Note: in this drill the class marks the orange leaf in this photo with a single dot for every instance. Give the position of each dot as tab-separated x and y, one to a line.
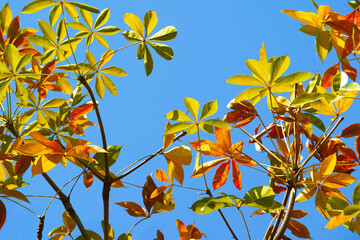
349	70
208	148
338	180
178	172
206	167
161	176
133	209
81	110
336	221
2	214
158	191
33	149
223	139
43	140
221	175
244	112
168	139
298	229
236	175
88	180
357	145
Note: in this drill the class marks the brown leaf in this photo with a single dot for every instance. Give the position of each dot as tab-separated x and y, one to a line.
148	189
88	180
298	214
22	164
2	214
133	209
244	112
298	229
159	235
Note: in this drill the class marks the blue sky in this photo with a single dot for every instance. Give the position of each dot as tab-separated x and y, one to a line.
214	40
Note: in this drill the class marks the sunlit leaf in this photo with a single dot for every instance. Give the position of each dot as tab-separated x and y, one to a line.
210	204
134	23
37	5
133	209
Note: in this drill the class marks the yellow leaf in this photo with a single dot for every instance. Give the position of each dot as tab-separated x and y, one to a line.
161	176
206	167
346	101
327	166
337	221
134	23
168	139
308	18
181	155
305	194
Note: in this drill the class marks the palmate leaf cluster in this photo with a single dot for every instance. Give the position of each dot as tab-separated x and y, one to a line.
42	129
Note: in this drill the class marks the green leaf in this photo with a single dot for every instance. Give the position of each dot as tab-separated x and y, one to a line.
356	194
294	78
132	36
109	30
102	18
315	81
164	35
47	30
262	197
245	80
109	84
24	60
125	236
177	127
150	21
12	56
218	123
306	98
99	87
322	43
61	31
163	50
113	155
193	106
178	115
209	109
54	103
248	93
40	41
352	210
281	64
210	204
4	87
78	26
21	92
48	56
148	61
134	23
115	71
316	122
37	5
340	81
54	14
92	236
5	18
85	7
100	39
140	52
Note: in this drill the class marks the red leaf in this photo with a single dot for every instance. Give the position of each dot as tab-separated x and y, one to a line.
349	70
236	175
48	68
351	131
298	229
329	74
221	175
244	112
2	214
81	110
22	164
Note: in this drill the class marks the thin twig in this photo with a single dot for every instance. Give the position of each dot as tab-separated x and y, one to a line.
146	160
